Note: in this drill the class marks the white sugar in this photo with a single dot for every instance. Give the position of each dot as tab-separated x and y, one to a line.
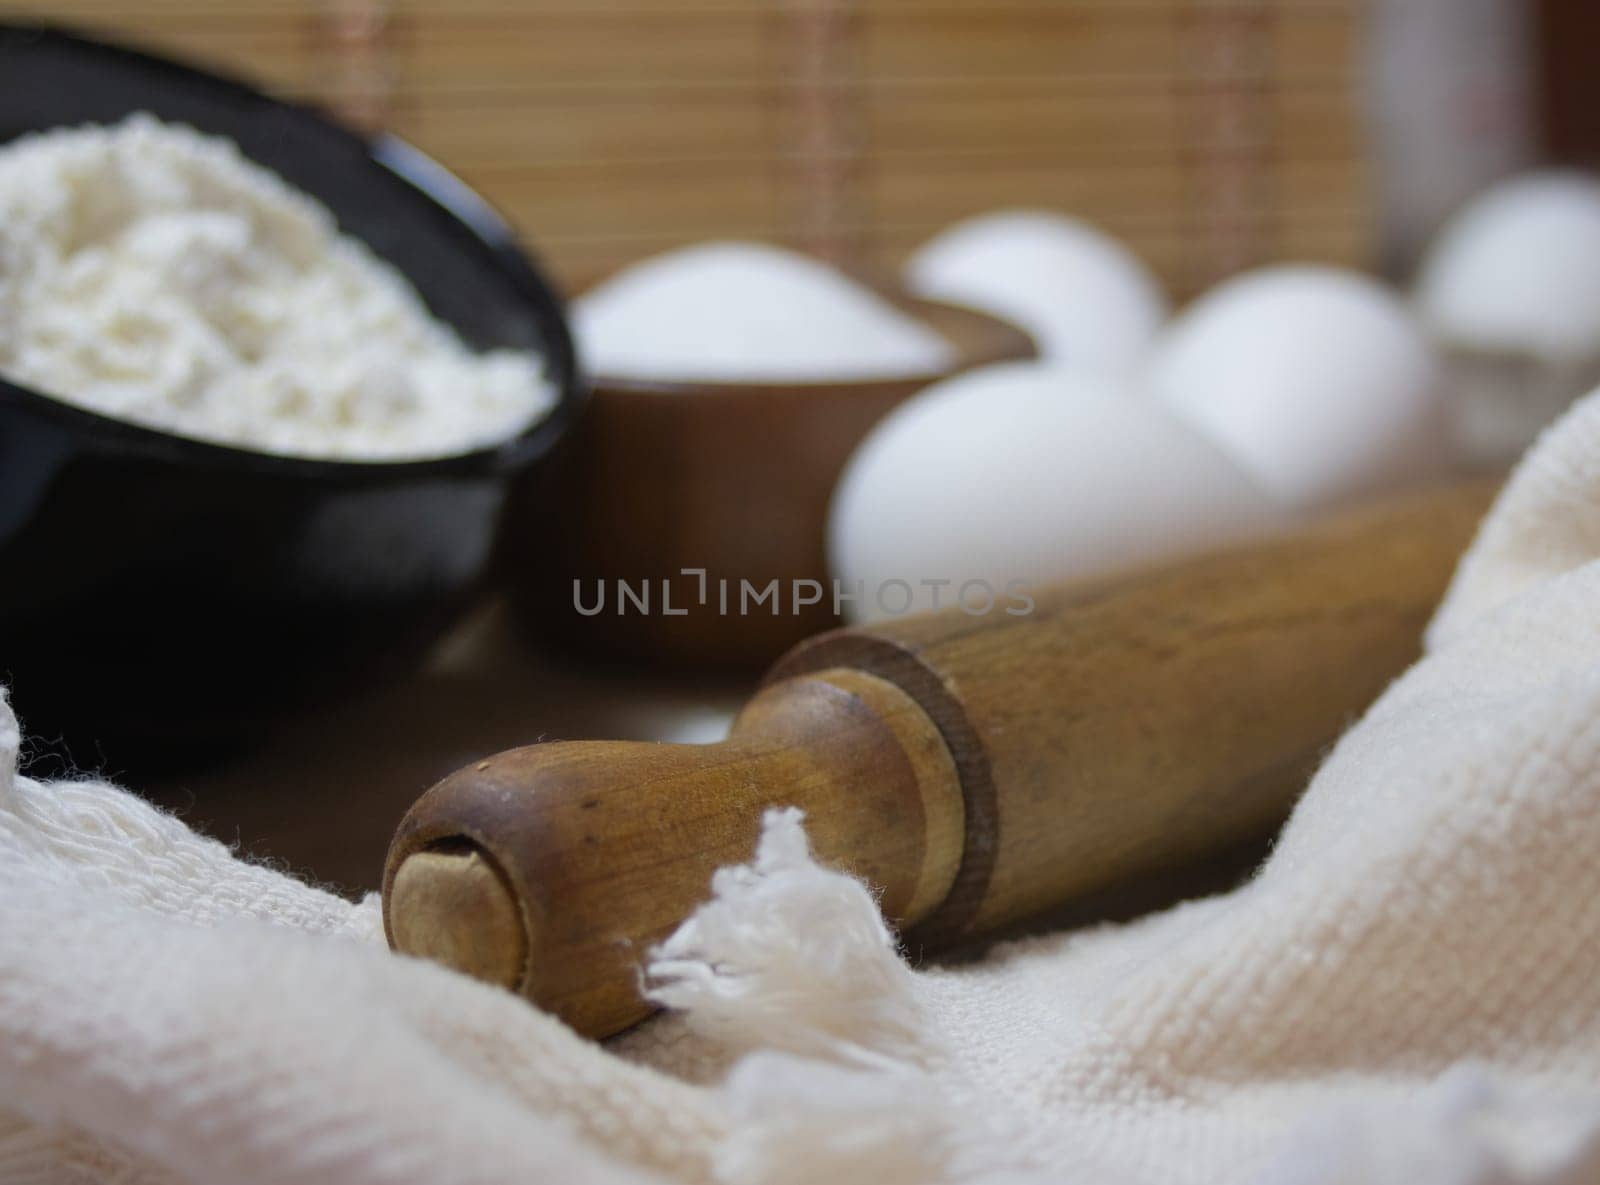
744	312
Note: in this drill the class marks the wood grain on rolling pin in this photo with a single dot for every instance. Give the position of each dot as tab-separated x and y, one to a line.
1133	723
976	770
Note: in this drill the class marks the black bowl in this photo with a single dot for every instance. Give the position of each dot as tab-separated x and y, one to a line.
161	597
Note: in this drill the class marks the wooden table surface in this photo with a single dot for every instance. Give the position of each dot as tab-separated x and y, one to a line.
323	796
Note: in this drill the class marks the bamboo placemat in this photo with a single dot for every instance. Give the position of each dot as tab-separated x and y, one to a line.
1211	134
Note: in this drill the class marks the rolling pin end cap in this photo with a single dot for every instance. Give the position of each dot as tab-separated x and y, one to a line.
452	905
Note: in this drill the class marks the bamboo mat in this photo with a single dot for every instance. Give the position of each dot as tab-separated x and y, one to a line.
1211	134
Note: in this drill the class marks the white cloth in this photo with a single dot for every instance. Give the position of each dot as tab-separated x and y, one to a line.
1407	992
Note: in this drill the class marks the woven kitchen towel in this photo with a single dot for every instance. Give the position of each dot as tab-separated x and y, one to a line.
1407	992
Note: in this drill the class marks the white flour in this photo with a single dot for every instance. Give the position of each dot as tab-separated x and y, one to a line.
744	312
153	274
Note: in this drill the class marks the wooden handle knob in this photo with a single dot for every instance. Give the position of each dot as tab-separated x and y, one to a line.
976	770
551	870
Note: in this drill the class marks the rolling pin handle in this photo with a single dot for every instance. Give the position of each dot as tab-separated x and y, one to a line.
551	870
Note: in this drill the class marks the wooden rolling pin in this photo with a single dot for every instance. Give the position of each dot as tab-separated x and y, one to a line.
977	770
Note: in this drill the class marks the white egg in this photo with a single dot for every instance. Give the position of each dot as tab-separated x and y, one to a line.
1518	269
1316	380
747	312
1031	473
1081	295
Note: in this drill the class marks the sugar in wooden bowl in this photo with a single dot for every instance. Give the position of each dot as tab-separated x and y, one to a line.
704	493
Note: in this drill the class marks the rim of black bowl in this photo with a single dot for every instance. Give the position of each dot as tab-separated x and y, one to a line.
460	211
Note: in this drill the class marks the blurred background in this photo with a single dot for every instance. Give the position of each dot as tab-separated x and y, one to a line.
1208	135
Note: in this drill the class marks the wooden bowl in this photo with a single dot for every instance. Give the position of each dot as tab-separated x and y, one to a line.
730	478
